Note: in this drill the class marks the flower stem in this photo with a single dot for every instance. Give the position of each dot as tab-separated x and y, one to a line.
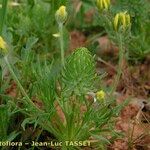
29	101
3	13
61	43
119	70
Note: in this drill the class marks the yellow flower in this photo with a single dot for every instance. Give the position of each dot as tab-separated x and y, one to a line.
61	14
3	45
103	4
122	19
100	95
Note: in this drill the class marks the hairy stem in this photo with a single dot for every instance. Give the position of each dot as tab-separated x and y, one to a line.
119	70
61	43
29	101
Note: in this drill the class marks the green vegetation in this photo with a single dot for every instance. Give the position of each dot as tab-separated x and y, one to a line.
58	93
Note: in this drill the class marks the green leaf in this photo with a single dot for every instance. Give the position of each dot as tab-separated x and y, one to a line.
1	79
30	42
12	136
31	2
45	86
101	139
78	75
27	121
4	119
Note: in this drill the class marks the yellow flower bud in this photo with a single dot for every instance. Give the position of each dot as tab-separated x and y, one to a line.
108	2
128	19
122	19
100	95
103	4
3	45
61	15
116	19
